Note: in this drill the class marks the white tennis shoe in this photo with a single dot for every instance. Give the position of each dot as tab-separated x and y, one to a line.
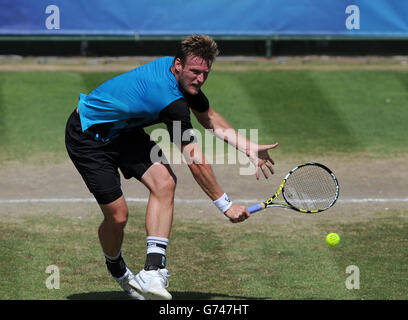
152	284
126	282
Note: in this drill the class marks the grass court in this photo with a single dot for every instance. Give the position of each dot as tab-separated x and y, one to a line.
350	116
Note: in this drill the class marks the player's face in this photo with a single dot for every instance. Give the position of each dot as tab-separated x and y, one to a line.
193	74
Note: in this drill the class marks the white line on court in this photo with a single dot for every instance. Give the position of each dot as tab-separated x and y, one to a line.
185	201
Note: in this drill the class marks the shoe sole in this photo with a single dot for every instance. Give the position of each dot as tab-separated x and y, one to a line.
159	295
150	295
136	295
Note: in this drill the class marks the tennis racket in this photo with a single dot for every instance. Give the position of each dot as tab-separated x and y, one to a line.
308	188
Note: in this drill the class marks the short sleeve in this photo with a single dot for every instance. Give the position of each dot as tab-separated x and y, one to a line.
176	116
198	102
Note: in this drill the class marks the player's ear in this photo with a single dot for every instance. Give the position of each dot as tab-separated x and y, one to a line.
178	65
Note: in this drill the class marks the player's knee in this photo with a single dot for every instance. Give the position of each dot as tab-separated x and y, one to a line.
118	219
121	221
166	186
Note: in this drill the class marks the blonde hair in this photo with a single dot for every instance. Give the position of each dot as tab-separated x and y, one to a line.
198	45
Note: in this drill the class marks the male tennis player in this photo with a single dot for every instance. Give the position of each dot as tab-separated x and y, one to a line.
105	133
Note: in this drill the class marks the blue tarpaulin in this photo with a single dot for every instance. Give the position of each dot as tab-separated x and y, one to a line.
372	18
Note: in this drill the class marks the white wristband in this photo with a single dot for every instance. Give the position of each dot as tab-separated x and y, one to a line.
223	203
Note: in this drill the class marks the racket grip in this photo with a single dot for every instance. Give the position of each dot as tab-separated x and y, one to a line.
254	208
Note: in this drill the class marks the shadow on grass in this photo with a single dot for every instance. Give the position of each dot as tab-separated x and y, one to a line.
184	295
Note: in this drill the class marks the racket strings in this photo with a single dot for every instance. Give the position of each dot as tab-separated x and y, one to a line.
310	188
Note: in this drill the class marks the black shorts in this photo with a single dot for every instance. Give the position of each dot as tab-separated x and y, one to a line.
98	162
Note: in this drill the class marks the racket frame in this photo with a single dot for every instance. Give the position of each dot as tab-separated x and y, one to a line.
270	202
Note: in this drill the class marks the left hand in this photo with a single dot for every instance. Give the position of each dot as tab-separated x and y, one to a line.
261	159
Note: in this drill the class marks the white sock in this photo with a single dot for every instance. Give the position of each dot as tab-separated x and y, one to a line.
157	245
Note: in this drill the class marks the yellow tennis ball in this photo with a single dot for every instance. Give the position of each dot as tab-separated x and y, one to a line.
332	239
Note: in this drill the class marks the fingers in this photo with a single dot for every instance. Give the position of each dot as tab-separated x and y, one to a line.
265	166
266	147
265	173
238	214
238	220
264	161
269	165
264	170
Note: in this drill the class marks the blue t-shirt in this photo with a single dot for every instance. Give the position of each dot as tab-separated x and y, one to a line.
132	99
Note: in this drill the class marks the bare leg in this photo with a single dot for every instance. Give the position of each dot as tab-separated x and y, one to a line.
111	229
161	182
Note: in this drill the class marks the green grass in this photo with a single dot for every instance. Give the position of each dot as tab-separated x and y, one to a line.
34	108
308	112
253	261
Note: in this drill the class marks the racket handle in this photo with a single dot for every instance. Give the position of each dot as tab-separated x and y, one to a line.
256	207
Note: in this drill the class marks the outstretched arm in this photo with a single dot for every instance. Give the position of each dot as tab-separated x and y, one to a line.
204	175
258	154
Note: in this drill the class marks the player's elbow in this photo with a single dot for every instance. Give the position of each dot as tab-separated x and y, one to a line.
192	154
